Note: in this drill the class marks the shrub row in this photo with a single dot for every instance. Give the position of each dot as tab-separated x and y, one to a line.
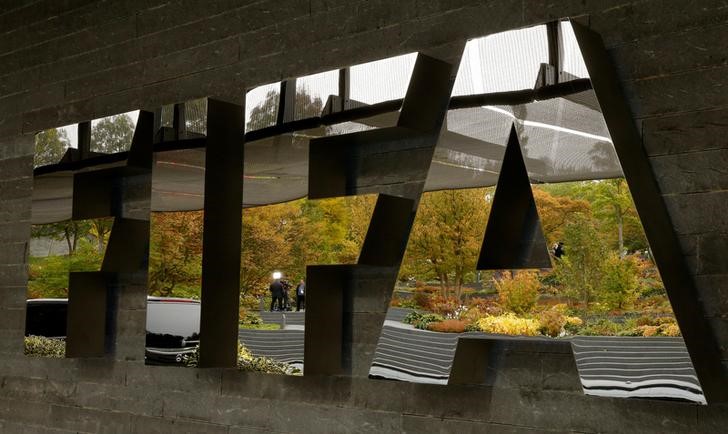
250	363
39	346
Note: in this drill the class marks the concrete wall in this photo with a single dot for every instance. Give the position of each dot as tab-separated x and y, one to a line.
67	61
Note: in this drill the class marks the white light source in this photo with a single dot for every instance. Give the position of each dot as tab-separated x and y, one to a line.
277	275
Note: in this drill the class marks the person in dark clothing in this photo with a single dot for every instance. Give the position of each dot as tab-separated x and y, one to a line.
276	294
559	250
301	295
286	286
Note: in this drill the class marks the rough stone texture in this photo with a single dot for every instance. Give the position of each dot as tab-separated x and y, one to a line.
686	133
714	293
693	172
515	363
15	192
63	62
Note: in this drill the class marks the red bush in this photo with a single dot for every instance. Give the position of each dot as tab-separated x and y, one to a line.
445	306
488	306
423	299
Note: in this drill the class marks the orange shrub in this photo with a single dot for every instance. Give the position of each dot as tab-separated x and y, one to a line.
552	321
670	330
649	330
645	320
448	326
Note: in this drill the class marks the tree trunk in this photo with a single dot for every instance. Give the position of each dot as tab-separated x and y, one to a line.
620	230
100	232
75	236
461	282
67	233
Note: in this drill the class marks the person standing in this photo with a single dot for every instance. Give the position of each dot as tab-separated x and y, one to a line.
286	286
301	296
276	294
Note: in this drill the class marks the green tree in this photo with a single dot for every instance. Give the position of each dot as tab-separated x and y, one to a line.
101	229
48	276
175	257
320	234
69	230
267	246
112	134
619	283
555	211
446	237
109	135
613	204
580	270
50	146
360	209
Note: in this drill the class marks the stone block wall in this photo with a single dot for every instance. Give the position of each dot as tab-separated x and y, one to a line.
16	187
67	61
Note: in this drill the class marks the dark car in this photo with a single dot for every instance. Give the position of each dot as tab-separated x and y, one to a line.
173	325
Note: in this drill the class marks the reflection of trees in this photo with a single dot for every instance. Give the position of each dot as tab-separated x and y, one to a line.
112	134
166	340
307	106
50	145
265	113
521	114
196	116
538	165
603	157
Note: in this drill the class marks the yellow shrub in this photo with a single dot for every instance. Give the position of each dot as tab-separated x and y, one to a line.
518	294
244	353
471	315
554	322
508	324
574	320
665	320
